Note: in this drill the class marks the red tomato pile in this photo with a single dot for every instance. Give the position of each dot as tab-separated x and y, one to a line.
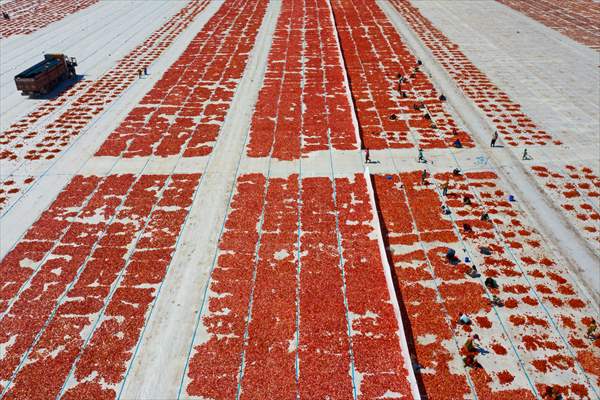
10	187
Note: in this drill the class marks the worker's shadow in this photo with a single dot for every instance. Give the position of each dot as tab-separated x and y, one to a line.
59	89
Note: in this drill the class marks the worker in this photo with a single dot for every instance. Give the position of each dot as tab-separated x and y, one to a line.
551	393
467	228
393	117
445	210
496	301
463	319
5	15
145	70
445	186
442	97
456	172
367	156
423	177
419	62
457	144
591	330
485	216
470	361
427	116
526	155
473	273
421	156
467	199
494	138
400	80
451	257
471	344
451	254
491	283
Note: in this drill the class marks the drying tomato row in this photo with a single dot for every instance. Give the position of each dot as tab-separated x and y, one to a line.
576	189
214	365
186	108
375	57
304	91
376	347
27	17
269	368
110	243
24	129
573	18
506	115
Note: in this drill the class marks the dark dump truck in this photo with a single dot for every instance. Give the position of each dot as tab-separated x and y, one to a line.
45	75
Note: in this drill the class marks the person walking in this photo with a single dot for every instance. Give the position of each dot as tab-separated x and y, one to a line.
494	138
423	177
367	156
400	80
471	345
591	330
421	156
445	186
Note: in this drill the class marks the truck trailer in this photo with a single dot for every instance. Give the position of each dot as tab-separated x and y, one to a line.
45	75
